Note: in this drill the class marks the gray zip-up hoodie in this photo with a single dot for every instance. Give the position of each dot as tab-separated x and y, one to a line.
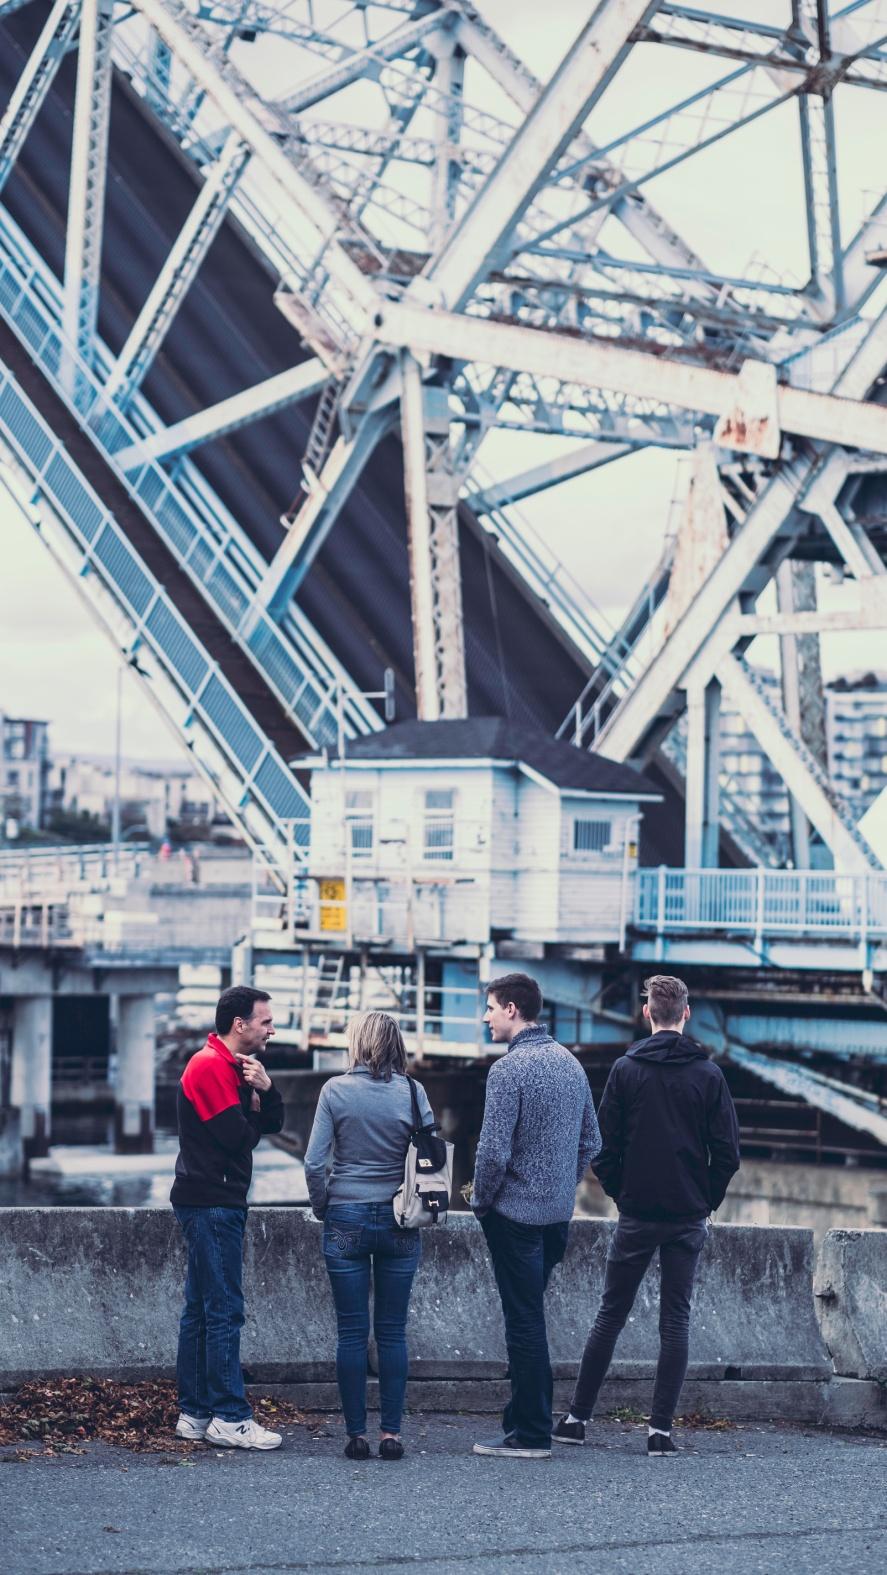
539	1132
363	1125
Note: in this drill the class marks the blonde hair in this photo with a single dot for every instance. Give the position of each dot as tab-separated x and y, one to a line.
376	1042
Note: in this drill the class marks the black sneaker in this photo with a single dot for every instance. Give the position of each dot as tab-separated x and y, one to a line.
569	1432
510	1446
660	1446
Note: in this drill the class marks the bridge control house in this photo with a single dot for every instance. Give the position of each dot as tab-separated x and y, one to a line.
473	832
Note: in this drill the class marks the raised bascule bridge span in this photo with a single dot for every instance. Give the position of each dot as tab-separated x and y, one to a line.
270	276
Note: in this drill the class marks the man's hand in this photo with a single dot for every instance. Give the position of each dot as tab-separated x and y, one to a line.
254	1073
255	1103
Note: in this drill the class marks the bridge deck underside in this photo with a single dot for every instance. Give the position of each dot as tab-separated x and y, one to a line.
229	335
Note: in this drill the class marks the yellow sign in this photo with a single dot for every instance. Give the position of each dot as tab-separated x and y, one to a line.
333	909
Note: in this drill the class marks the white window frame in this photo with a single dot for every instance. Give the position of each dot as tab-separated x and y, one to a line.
591	851
360	819
440	820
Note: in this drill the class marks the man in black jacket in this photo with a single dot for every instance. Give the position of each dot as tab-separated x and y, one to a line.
670	1147
225	1102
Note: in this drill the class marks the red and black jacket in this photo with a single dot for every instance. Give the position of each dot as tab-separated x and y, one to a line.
218	1131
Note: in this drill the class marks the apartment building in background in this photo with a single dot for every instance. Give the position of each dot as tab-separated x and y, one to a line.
24	773
155	796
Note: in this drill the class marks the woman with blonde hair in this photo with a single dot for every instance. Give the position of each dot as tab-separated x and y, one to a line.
362	1126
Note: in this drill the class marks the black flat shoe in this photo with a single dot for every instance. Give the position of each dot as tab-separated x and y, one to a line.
391	1449
357	1449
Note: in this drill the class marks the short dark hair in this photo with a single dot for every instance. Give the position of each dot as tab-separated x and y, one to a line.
238	1001
667	999
522	990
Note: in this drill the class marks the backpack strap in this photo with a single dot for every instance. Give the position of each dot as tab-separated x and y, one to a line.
414	1098
418	1124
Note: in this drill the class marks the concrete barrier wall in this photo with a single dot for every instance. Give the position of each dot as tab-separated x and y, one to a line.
851	1288
99	1291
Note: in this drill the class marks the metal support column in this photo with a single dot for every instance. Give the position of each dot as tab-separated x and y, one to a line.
703	775
432	495
32	1070
819	152
802	695
35	81
86	188
449	74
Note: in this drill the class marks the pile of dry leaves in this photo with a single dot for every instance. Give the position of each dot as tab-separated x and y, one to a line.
64	1412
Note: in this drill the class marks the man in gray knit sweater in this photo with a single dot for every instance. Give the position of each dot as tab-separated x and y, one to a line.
539	1135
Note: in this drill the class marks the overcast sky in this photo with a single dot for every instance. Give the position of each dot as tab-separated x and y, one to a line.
742	208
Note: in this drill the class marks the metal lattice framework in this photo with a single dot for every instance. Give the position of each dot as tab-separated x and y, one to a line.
461	253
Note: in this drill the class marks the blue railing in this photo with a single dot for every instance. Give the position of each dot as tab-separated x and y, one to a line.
809	903
264	775
202	536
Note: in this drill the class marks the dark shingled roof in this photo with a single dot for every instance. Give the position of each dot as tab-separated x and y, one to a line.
494	738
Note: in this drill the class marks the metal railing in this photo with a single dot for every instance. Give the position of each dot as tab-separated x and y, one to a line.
809	903
198	530
27	873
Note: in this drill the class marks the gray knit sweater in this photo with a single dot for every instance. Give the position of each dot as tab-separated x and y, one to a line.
539	1132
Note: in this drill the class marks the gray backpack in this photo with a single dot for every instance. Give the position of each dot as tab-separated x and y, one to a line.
424	1197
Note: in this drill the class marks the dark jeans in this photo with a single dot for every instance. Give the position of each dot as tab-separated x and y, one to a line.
208	1366
356	1235
631	1249
523	1258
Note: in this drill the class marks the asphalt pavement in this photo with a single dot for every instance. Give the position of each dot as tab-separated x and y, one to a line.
739	1501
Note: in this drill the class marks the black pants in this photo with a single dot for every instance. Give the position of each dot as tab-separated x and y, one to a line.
523	1258
631	1249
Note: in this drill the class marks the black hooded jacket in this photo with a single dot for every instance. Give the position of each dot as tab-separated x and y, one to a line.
669	1129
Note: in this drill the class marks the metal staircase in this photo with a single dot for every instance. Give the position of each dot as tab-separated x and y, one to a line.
324	1012
320	438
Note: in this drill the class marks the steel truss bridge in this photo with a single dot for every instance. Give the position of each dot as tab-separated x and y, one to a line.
271	272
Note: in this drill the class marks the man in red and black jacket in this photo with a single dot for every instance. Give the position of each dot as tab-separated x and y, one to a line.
225	1102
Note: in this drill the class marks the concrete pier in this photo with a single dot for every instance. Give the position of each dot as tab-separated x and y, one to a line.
134	1092
32	1071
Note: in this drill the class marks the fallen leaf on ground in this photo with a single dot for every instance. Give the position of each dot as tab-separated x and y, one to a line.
62	1412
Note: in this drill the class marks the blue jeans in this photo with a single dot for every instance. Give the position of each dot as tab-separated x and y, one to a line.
523	1258
631	1249
208	1368
354	1235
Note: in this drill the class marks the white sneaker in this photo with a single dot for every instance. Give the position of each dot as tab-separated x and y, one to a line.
241	1435
191	1426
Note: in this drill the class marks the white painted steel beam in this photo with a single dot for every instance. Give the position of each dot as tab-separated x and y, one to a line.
604	364
361	62
540	477
586	70
782	748
317	515
861	280
859	554
431	489
449	81
35	81
86	188
244	111
871	613
624	730
229	415
702	776
635	212
819	150
177	274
